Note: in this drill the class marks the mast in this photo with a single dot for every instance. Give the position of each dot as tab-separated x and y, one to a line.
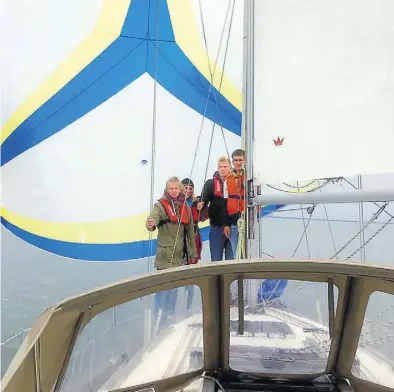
248	117
248	132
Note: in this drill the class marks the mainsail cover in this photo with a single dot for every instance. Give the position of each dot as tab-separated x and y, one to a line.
324	89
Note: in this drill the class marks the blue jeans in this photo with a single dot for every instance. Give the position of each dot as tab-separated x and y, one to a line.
218	243
234	239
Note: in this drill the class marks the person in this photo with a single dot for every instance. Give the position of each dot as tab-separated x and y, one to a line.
271	289
236	185
199	215
172	217
215	195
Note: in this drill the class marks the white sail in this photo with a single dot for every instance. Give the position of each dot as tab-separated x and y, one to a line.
323	85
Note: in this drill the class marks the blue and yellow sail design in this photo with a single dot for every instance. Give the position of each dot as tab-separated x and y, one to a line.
71	153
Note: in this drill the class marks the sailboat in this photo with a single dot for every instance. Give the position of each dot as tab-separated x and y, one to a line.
76	345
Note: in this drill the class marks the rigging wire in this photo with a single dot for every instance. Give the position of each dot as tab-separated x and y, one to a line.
211	87
302	286
221	76
305	230
224	61
361	219
202	122
329	224
153	152
374	202
302	236
373	218
365	243
304	233
269	255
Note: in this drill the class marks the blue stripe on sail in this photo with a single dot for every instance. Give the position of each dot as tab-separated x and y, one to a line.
94	252
91	252
177	74
147	19
118	66
124	61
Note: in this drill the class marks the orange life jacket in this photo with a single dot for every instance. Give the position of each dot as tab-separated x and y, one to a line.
172	216
236	192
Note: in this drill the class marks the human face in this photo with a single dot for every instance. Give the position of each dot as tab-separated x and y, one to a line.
188	191
223	169
173	189
238	162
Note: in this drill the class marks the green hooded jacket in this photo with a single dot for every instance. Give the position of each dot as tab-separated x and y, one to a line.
167	255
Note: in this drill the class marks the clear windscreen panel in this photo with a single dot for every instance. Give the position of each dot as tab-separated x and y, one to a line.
149	338
285	326
374	361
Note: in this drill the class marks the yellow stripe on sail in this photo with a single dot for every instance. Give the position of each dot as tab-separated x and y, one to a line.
107	30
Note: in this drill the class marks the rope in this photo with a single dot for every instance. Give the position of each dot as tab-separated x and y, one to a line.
214	380
241	248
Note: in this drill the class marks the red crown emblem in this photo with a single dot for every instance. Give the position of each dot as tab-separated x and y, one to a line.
278	141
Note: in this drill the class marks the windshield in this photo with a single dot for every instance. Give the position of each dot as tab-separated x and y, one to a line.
286	332
149	338
282	329
374	360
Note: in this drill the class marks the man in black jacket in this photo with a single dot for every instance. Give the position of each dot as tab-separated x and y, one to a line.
215	195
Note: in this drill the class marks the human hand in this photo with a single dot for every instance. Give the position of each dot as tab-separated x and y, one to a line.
226	231
151	224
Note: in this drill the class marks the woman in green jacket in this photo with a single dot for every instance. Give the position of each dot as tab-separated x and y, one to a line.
172	217
175	241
